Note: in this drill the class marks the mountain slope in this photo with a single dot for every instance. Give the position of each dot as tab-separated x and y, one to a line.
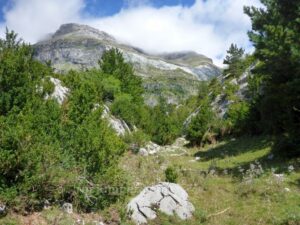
174	76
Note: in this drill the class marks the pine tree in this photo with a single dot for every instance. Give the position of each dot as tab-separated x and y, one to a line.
232	59
275	35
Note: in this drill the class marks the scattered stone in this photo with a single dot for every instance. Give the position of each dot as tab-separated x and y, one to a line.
47	204
79	222
197	158
150	149
241	170
100	223
225	172
68	208
178	147
291	168
279	177
287	189
2	209
168	198
143	152
212	172
181	142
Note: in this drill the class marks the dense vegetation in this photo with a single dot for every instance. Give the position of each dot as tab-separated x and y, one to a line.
275	34
50	152
68	153
271	105
56	153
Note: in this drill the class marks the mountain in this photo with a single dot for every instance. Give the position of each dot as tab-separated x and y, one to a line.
174	76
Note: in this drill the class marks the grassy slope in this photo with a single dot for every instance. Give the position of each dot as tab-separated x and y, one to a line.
262	200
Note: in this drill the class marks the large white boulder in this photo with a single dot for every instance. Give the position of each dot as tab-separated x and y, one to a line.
168	198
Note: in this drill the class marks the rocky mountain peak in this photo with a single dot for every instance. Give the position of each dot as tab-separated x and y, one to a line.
78	30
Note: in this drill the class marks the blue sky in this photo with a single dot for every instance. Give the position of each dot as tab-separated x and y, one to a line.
110	7
206	27
102	8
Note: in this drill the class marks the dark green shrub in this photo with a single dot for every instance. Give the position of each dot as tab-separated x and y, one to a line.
237	115
201	124
50	152
171	175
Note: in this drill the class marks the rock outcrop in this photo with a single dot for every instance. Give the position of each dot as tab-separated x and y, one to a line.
120	126
152	149
60	92
168	198
221	104
2	209
174	76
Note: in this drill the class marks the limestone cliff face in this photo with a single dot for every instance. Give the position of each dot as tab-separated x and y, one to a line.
174	76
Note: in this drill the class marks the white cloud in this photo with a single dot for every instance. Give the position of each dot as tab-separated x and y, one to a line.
33	19
207	27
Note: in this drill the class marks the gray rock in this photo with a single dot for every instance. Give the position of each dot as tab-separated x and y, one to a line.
279	178
67	207
2	209
60	92
166	197
150	149
118	125
143	152
291	169
47	204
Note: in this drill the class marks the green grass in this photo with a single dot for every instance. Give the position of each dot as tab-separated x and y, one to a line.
261	200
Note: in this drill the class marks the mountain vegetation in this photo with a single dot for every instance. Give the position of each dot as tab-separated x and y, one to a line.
237	138
68	152
271	104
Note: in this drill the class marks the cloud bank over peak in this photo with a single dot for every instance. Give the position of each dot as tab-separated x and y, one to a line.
207	27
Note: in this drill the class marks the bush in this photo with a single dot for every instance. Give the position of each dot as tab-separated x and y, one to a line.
125	108
111	88
201	124
50	152
171	175
237	115
136	140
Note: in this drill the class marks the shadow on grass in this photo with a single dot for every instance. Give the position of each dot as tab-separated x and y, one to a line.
275	165
234	148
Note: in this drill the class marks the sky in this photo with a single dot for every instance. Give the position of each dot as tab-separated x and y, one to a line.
204	26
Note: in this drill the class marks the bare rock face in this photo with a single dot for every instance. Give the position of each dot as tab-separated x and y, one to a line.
2	209
168	198
60	92
118	125
221	105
